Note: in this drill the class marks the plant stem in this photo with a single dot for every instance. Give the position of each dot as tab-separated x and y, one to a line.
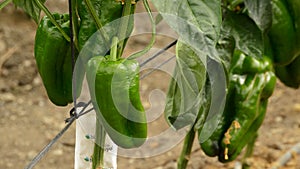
249	151
75	22
93	13
124	26
186	150
114	49
152	41
52	19
96	19
4	3
97	160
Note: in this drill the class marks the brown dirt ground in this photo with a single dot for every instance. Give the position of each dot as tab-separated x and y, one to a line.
29	121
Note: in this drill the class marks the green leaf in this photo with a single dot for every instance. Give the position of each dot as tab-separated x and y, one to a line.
204	107
248	37
184	95
225	48
218	86
30	7
261	12
197	22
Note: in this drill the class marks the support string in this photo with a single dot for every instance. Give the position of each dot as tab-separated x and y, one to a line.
156	67
45	150
158	53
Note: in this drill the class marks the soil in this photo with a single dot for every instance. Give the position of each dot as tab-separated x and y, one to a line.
29	120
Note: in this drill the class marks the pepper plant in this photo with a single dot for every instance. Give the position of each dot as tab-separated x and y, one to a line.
228	52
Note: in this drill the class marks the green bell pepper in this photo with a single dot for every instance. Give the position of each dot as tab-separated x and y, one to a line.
282	34
251	82
233	150
53	57
294	8
289	75
114	88
251	96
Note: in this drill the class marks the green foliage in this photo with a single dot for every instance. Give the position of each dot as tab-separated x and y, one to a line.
197	22
261	13
247	36
185	90
30	7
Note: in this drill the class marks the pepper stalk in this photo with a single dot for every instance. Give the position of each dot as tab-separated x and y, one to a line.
186	150
124	25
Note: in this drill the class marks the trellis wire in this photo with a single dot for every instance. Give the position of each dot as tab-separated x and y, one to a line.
45	150
73	115
159	53
156	67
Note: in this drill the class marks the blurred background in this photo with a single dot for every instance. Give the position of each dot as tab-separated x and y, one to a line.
28	120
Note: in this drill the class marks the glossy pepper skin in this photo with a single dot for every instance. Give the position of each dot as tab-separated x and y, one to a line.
282	34
251	96
294	8
114	88
236	149
289	75
251	83
53	57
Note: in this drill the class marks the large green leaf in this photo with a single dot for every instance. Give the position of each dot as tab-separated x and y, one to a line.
248	37
183	98
225	48
204	106
217	80
30	7
261	12
197	22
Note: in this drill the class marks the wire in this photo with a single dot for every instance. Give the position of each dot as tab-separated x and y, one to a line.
158	53
46	149
156	67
